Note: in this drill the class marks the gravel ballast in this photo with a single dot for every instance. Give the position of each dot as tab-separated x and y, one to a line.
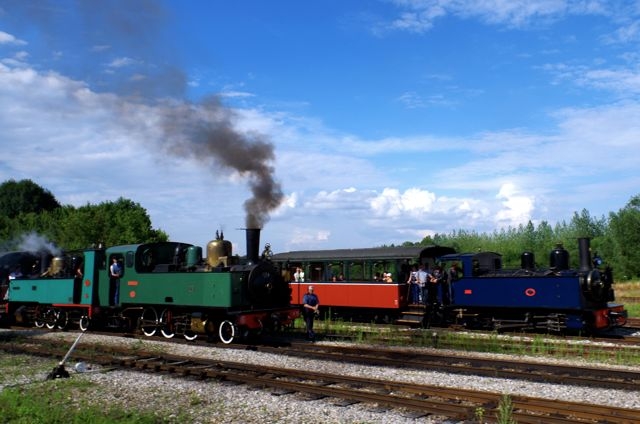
185	400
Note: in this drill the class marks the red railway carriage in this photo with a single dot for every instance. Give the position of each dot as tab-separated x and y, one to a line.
365	284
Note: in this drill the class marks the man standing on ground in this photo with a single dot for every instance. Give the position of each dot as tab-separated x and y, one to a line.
311	303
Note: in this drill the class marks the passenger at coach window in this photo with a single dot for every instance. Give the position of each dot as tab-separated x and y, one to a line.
310	306
298	276
387	278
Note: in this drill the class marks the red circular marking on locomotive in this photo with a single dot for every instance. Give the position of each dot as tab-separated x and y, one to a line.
87	283
132	294
530	292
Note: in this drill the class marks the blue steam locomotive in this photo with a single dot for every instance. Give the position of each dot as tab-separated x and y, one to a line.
479	293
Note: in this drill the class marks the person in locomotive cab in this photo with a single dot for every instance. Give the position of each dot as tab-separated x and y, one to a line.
299	275
115	272
447	281
310	306
17	273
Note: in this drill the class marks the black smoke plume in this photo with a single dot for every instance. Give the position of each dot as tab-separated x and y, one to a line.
205	132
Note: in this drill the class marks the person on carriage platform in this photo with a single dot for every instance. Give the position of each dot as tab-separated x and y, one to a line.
423	276
414	287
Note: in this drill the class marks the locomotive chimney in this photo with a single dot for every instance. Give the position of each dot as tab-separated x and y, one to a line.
253	244
584	250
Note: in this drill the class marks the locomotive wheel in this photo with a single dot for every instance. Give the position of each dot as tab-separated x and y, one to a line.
38	320
149	322
190	335
63	320
167	328
226	331
84	323
50	318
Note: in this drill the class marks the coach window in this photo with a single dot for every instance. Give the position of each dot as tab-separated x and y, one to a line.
356	271
336	271
316	271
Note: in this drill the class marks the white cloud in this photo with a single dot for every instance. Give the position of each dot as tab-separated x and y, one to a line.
9	39
122	62
420	16
516	208
393	204
236	94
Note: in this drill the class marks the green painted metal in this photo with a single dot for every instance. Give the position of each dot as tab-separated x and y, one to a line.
220	290
47	291
145	284
90	280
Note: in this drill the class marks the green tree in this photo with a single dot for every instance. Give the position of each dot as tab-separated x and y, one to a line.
25	196
25	208
624	238
109	223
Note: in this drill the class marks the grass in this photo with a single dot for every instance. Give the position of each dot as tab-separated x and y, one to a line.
629	290
37	403
31	399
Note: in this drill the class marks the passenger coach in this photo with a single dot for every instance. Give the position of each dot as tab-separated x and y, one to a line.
350	282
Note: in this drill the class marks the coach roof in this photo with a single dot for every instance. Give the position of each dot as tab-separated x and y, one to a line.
388	253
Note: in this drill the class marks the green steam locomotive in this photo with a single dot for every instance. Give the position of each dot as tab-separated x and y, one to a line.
166	288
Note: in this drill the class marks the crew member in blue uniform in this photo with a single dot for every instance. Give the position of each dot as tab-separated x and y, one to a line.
311	303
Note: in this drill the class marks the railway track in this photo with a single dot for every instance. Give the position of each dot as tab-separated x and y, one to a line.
633	322
416	399
464	365
624	343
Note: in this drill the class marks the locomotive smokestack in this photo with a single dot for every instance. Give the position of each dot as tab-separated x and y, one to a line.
253	244
584	250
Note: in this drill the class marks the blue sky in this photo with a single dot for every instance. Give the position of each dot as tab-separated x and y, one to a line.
348	124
